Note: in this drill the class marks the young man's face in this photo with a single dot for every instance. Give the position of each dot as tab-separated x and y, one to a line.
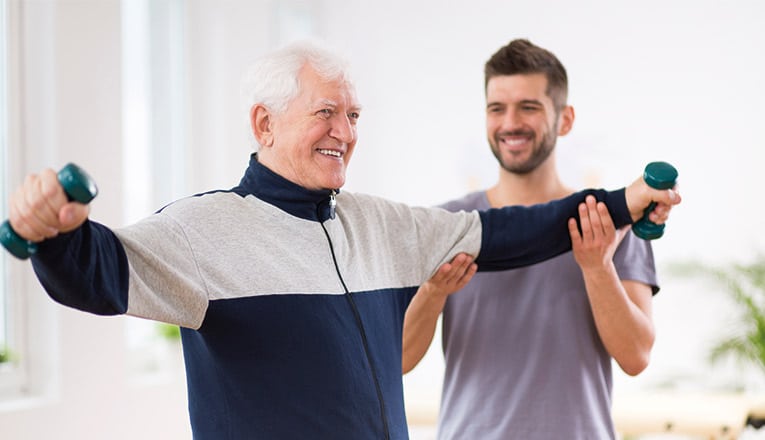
314	138
522	125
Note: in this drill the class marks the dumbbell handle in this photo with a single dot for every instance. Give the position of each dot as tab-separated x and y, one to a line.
78	186
658	175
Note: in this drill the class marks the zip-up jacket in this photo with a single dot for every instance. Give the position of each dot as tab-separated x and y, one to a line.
291	301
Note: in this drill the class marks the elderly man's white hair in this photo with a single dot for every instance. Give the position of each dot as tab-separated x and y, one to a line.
272	80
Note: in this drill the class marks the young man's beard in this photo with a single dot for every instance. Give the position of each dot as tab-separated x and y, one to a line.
539	154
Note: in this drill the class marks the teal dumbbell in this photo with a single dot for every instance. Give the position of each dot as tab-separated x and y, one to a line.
78	186
659	175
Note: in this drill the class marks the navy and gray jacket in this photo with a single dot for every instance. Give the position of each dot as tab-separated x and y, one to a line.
292	319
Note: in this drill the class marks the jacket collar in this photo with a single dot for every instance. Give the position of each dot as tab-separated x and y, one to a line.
274	189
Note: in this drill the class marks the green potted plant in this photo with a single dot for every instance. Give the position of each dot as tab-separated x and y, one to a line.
168	355
6	357
169	332
745	285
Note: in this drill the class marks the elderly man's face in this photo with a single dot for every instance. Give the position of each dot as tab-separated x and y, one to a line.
314	138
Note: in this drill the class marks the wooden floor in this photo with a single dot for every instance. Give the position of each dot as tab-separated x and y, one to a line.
654	416
698	415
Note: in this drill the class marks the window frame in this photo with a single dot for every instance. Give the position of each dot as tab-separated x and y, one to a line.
14	374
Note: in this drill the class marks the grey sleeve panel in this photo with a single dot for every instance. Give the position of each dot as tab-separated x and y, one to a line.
165	283
407	243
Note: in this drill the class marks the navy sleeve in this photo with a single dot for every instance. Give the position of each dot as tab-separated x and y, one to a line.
86	269
516	236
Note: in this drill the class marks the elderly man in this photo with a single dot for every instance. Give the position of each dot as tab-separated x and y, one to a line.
291	295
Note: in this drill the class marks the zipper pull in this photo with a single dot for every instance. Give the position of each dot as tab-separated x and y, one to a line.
332	204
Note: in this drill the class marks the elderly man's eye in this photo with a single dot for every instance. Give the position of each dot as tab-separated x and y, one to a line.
354	116
325	112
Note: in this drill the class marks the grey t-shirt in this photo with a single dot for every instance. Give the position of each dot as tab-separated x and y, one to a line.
523	356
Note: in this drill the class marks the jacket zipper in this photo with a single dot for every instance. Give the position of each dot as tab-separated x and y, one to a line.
332	206
359	322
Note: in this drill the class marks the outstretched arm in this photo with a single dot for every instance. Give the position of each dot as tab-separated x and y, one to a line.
516	236
621	309
422	313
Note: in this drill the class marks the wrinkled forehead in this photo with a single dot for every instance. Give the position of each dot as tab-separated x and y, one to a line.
337	90
352	99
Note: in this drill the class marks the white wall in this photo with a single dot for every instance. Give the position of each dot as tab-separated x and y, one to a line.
678	81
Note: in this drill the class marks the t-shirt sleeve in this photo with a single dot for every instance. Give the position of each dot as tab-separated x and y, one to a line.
634	261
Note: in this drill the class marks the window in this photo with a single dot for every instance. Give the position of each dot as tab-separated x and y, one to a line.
11	361
154	122
3	142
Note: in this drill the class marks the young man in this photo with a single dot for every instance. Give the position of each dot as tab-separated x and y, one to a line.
528	351
291	295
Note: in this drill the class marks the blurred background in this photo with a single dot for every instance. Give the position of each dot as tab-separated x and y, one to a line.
144	95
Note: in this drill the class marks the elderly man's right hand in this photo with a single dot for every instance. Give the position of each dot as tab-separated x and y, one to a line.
40	209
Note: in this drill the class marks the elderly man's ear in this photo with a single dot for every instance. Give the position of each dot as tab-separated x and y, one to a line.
260	121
